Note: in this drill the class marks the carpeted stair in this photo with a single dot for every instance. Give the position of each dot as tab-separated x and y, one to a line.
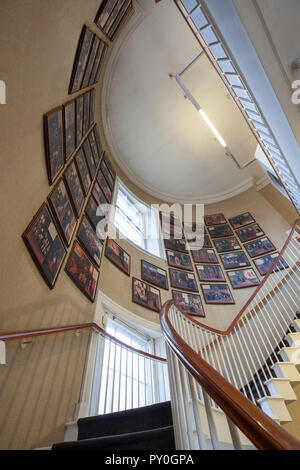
146	428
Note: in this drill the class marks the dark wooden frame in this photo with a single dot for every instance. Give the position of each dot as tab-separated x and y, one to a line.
205	262
216	240
77	213
65	105
176	249
233	253
187	273
85	191
89	218
196	295
217	303
31	252
113	30
245	225
53	178
210	280
142	305
275	268
76	60
191	269
149	282
242	287
83	244
77	123
129	256
211	215
261	254
220	226
251	239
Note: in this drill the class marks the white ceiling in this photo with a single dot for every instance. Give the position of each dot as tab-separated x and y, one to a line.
156	135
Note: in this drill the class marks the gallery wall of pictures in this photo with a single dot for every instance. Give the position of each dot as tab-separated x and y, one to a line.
112	15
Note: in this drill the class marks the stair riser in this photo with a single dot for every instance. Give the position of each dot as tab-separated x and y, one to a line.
281	389
276	409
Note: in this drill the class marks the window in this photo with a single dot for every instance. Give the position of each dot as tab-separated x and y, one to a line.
137	222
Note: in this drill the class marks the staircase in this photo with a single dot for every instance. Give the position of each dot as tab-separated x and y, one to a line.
145	428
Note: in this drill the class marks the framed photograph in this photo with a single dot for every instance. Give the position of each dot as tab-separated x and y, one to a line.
241	220
94	148
189	303
89	157
234	260
69	129
227	244
183	280
89	240
249	233
82	271
107	174
171	226
264	263
217	294
215	219
54	143
175	244
74	188
243	278
179	260
91	61
92	106
97	138
81	59
220	231
117	256
210	273
79	119
259	247
109	166
110	16
62	209
154	275
104	186
86	113
94	77
194	232
204	256
91	212
116	25
45	246
146	295
83	171
98	194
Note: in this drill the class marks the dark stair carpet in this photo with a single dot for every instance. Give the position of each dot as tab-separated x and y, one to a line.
145	428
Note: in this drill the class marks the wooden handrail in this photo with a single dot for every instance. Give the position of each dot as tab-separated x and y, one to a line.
261	430
61	329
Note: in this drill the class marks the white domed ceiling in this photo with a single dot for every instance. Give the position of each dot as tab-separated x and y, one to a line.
157	136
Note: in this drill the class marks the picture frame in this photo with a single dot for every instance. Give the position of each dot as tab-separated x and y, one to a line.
91	212
107	174
127	6
194	231
259	247
69	114
146	295
118	256
243	278
110	16
215	219
92	106
175	244
95	130
189	303
251	232
86	113
98	194
179	260
217	294
171	225
223	245
104	186
82	271
45	246
96	70
83	171
109	166
235	260
91	60
94	148
54	143
89	240
89	157
154	275
79	119
62	210
81	58
74	188
183	280
220	231
210	273
204	256
242	220
264	263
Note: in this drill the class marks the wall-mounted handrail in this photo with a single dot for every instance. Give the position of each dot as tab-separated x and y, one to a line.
261	430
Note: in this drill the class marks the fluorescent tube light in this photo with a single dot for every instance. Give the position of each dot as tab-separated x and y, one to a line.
212	127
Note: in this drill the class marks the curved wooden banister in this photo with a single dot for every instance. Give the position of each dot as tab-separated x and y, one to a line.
257	290
261	430
61	329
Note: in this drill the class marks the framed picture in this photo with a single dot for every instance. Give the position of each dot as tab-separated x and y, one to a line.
171	230
210	273
241	220
145	295
264	263
111	14
259	247
179	260
109	166
215	219
83	171
104	186
54	143
249	233
86	113
126	7
227	244
89	157
69	129
82	271
98	194
97	138
217	294
107	174
234	260
90	62
81	59
94	148
175	244
204	256
79	119
61	207
194	232
154	275
91	212
220	231
189	303
97	67
117	256
183	280
74	188
89	240
243	278
45	246
92	106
